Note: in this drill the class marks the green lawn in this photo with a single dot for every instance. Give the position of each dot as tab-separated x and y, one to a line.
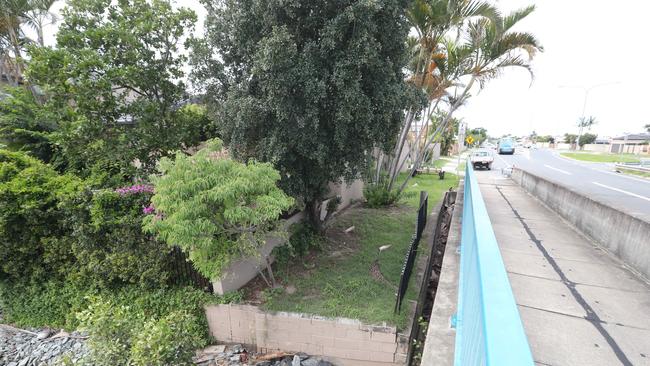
603	157
635	172
340	281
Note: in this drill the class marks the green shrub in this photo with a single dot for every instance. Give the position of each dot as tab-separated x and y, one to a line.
378	195
110	328
170	340
303	239
161	327
110	247
51	303
214	208
34	237
55	303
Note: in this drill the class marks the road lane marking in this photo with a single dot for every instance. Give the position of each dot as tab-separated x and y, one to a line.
559	170
585	165
622	191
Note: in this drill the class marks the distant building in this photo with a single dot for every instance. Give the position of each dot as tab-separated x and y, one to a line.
632	144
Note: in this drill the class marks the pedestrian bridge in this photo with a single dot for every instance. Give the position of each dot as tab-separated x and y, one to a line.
519	286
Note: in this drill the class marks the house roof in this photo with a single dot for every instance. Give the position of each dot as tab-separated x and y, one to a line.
635	137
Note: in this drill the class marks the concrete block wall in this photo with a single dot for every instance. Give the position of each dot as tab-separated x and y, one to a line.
624	235
345	342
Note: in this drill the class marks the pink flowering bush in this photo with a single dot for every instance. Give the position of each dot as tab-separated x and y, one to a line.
112	249
134	189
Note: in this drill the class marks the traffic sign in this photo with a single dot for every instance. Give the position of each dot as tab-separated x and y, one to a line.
469	140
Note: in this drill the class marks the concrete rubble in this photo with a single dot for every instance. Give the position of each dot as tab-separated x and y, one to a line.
38	347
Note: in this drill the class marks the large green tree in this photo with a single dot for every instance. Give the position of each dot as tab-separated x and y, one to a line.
114	81
311	86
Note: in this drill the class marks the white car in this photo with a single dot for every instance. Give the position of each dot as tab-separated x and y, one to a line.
482	159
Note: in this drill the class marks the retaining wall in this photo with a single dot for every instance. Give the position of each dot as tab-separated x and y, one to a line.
244	270
345	342
626	236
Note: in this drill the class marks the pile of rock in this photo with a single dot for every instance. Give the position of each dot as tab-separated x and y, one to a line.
237	355
38	347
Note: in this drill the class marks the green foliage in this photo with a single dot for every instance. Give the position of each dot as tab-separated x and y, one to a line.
378	195
304	238
110	247
34	241
171	340
570	138
55	303
214	208
587	138
52	303
114	83
131	327
478	134
546	138
447	137
310	86
25	125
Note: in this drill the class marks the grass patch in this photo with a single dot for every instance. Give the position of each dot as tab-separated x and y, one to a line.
634	172
603	158
342	279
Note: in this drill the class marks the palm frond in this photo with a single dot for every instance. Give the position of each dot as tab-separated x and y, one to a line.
513	18
516	40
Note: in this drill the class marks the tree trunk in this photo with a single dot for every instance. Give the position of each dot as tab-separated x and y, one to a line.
418	160
313	209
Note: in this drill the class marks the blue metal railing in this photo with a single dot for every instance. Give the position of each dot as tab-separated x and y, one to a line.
488	327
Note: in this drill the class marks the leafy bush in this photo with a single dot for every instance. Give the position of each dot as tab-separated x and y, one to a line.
304	238
55	303
110	328
214	208
378	195
25	125
52	303
34	239
587	138
110	247
153	328
170	340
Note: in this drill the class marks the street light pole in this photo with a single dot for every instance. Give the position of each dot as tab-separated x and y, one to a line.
586	90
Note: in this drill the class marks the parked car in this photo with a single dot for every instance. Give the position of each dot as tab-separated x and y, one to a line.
482	159
506	146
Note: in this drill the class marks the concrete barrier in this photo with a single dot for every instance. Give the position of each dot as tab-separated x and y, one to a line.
624	235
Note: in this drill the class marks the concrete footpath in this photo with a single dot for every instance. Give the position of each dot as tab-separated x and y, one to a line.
579	305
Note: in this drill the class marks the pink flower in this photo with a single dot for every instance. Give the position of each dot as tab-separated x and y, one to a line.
138	188
149	209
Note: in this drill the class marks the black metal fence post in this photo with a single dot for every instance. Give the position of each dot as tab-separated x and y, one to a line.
412	250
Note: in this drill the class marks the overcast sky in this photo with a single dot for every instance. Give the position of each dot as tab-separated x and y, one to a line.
585	43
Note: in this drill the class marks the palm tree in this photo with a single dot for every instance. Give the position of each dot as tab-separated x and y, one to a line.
16	13
38	16
647	127
434	61
487	48
586	122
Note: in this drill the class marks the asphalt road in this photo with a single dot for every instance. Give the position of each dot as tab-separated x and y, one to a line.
594	180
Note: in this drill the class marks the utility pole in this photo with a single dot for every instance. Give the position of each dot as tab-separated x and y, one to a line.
586	90
461	138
